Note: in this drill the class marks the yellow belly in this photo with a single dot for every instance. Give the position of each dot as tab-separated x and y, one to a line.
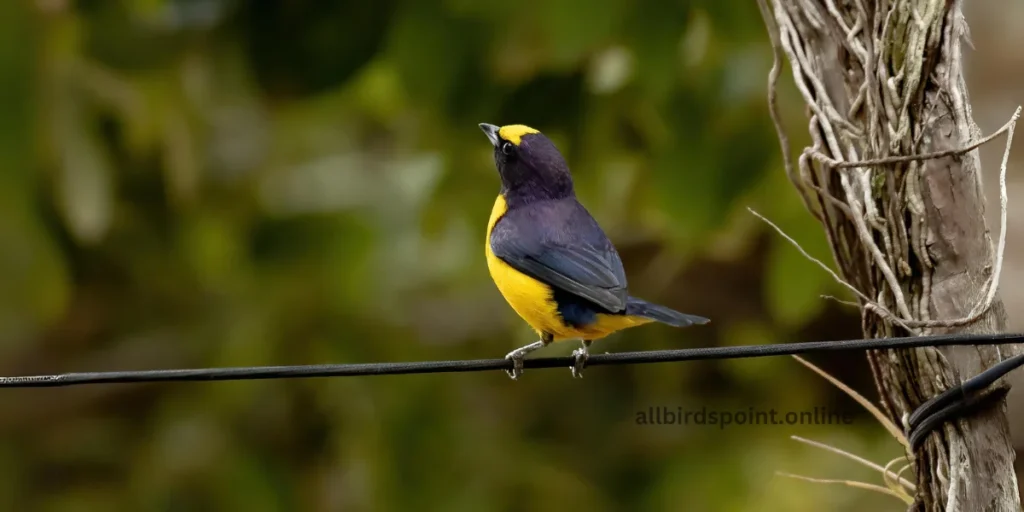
532	300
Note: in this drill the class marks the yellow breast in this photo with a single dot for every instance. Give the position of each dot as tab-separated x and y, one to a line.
532	300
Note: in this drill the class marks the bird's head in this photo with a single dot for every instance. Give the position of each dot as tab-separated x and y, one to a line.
530	166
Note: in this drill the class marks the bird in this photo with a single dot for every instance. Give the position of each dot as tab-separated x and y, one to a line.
550	259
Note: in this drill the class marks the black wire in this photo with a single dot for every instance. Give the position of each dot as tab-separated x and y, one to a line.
973	385
970	403
956	401
351	370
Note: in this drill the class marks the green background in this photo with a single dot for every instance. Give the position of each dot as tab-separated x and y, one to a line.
219	183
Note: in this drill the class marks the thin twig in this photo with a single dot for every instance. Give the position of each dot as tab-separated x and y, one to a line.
1003	200
857	397
840	301
883	312
889	160
854	458
773	107
849	483
892	478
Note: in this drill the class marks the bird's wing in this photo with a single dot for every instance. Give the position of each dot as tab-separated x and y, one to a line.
591	272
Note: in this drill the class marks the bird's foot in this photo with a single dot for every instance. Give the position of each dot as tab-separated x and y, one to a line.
519	354
581	354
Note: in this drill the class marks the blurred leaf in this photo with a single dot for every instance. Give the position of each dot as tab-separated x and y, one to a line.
574	28
425	43
689	198
703	171
85	181
654	31
34	287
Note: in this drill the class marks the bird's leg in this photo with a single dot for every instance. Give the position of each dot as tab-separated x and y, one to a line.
519	354
581	354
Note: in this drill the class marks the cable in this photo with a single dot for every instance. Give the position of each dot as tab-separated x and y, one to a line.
364	369
957	401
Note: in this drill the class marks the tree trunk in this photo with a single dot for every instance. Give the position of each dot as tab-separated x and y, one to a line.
884	78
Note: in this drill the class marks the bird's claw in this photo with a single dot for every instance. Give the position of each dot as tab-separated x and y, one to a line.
519	354
581	354
517	364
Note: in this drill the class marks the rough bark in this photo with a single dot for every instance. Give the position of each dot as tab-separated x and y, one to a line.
881	79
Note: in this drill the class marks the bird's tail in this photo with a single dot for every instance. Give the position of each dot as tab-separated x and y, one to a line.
644	309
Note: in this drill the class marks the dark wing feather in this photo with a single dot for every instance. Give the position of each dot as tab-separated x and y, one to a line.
575	266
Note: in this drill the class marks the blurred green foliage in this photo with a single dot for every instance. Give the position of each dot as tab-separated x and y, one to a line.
214	182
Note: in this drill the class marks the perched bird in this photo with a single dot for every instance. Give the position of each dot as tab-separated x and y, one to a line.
550	259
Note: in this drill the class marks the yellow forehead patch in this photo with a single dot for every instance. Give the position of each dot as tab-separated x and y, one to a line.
514	132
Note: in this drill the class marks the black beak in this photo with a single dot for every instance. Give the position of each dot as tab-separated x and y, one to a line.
492	133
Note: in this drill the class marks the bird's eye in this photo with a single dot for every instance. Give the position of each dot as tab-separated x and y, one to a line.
507	148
